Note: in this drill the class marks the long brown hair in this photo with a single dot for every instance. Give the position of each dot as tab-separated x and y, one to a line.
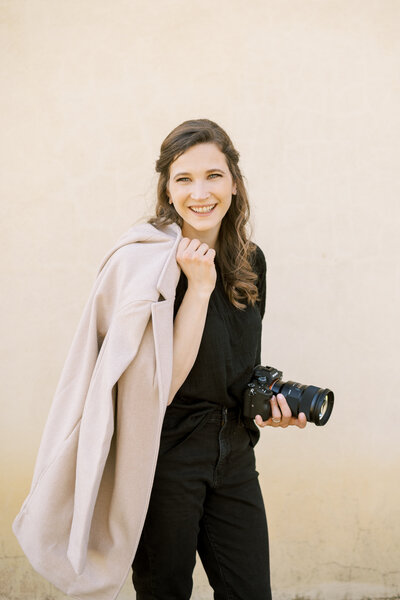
235	250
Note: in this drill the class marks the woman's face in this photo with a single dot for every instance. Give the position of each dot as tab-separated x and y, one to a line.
200	187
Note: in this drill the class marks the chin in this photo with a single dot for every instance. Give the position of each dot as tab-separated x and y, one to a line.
204	226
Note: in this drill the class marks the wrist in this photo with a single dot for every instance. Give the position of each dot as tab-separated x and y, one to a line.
199	292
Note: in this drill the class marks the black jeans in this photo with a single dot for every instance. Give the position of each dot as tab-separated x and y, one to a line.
205	497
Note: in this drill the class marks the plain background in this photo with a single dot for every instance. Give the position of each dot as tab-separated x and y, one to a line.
309	91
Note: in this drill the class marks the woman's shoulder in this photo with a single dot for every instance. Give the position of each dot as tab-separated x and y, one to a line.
258	259
141	241
259	265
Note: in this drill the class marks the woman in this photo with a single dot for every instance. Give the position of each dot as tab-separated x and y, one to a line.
206	495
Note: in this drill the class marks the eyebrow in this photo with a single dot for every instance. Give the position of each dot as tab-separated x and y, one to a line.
208	171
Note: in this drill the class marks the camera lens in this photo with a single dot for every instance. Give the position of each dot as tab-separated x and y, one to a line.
324	407
314	402
321	404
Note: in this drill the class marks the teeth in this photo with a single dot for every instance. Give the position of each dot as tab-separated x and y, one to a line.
203	209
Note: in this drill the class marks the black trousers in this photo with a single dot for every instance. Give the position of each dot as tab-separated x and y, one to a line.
205	497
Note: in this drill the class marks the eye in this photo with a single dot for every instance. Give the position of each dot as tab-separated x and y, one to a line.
211	175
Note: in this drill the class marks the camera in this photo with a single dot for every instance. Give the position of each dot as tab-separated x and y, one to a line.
316	403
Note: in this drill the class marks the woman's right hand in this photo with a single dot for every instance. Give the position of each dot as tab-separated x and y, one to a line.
196	260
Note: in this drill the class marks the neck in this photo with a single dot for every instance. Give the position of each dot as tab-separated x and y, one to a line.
208	237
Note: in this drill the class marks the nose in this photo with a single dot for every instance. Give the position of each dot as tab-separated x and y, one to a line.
199	191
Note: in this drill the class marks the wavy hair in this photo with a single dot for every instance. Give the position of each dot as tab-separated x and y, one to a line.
236	252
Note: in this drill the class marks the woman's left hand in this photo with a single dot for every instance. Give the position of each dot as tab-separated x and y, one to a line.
281	415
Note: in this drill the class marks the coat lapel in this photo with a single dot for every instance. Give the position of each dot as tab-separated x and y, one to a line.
162	318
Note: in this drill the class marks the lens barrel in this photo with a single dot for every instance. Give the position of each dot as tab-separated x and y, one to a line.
316	403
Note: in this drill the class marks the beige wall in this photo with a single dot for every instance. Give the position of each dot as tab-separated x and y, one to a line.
310	92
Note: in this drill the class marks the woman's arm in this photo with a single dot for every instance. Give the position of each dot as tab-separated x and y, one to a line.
188	330
197	262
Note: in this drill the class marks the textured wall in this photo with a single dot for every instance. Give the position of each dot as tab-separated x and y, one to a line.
309	90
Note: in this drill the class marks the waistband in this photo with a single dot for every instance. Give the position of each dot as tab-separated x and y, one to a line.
221	413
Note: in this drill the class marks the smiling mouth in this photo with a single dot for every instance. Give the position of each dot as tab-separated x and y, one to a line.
201	210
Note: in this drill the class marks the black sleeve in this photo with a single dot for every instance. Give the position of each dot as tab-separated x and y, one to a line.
260	267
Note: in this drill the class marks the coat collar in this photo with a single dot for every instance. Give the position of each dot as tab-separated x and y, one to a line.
169	276
168	237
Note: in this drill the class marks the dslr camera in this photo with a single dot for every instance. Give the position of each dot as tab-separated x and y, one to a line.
316	403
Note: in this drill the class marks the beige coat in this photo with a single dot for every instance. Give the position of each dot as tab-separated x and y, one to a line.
82	520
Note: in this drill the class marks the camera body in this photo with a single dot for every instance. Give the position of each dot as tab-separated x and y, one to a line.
316	403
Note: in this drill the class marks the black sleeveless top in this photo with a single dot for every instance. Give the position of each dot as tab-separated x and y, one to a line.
229	350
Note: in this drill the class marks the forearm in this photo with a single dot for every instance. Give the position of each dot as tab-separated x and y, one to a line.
188	330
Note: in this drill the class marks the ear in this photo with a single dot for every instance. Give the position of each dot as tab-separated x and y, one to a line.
234	189
167	192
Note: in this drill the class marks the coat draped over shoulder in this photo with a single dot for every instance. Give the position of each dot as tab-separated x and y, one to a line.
82	520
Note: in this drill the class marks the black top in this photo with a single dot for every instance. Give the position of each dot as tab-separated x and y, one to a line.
229	350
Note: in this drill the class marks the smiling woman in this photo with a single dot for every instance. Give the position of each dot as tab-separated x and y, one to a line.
206	496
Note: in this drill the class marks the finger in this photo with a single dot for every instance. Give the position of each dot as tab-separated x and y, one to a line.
195	244
299	422
202	249
285	410
268	423
188	245
302	421
210	254
276	415
188	249
183	251
260	422
195	250
183	244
